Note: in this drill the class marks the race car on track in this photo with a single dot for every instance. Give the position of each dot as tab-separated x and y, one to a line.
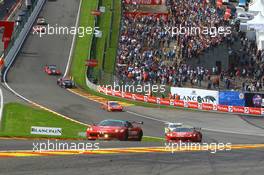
115	130
175	132
66	82
112	106
52	70
41	21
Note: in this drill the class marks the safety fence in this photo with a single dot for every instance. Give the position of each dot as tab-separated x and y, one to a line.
182	103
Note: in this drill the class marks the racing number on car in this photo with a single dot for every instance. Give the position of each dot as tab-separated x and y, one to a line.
8	31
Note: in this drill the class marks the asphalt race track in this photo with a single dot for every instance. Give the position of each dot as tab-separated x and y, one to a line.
27	77
198	163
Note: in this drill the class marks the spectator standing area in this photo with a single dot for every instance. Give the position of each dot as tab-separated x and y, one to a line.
149	53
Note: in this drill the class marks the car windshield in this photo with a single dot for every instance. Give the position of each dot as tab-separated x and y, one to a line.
113	103
67	81
52	67
112	123
182	129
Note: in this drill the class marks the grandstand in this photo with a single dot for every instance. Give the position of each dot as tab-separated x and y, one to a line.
149	53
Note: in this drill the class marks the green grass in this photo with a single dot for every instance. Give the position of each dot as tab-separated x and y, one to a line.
104	23
109	41
152	139
18	119
83	45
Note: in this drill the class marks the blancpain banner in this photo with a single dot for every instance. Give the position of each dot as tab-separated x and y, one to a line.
196	95
46	131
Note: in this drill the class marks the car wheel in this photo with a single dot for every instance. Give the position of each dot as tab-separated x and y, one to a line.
140	135
125	138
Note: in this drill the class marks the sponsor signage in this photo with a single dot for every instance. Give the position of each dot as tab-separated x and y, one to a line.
152	99
192	105
179	103
231	98
91	63
128	95
207	106
164	101
139	97
223	108
197	99
196	95
238	109
46	131
255	111
255	100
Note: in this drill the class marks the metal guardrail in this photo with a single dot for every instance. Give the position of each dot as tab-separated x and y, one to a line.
21	33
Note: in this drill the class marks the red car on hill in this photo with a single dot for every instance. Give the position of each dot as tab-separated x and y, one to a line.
115	130
52	70
183	134
112	106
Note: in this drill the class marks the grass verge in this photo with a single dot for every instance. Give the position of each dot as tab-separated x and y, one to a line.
152	139
18	119
83	45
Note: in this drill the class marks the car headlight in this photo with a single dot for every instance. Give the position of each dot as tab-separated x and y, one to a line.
122	130
116	130
89	129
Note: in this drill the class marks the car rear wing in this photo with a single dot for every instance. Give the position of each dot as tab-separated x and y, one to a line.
141	123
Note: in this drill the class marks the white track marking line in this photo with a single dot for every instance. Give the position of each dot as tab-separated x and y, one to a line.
73	41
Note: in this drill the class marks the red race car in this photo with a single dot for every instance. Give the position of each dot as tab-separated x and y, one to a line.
112	106
52	70
183	134
115	130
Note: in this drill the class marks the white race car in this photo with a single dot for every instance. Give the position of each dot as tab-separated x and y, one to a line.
171	126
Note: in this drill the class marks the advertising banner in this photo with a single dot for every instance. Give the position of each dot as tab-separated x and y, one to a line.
231	98
207	106
255	100
179	103
152	99
196	95
144	2
223	108
46	131
255	111
238	109
165	101
193	105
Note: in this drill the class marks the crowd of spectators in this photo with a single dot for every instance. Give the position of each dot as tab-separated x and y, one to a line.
149	54
249	65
